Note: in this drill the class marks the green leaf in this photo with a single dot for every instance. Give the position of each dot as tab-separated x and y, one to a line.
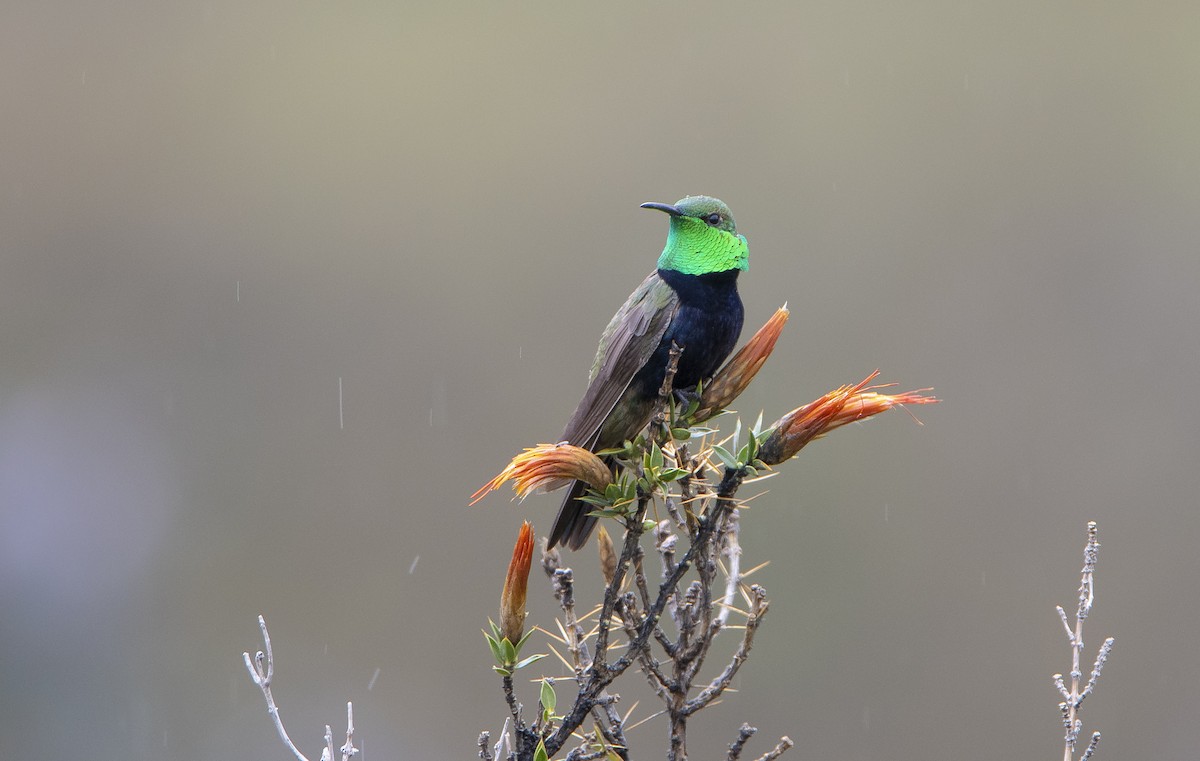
548	698
539	753
501	671
723	454
757	429
525	639
510	651
529	660
606	512
494	644
680	434
743	454
656	456
672	474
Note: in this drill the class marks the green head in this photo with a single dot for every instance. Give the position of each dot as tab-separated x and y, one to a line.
703	237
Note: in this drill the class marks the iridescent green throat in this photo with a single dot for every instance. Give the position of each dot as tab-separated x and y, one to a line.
695	248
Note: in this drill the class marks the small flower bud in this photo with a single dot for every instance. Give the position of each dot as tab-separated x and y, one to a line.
512	599
608	555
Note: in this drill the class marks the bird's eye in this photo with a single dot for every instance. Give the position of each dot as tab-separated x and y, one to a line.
713	219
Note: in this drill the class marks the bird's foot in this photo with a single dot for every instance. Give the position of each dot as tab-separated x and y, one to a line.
686	396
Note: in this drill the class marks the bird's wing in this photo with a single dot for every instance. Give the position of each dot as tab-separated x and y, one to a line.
626	345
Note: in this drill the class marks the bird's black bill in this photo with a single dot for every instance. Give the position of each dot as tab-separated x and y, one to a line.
668	208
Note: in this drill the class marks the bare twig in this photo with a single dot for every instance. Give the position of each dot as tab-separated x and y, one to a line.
563	581
327	751
504	745
510	696
1074	696
643	587
665	542
659	682
732	551
729	486
668	384
758	609
633	532
744	734
348	750
782	747
262	671
609	723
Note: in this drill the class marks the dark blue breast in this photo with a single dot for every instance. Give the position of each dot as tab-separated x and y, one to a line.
707	326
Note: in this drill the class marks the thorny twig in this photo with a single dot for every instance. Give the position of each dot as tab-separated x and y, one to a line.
609	724
641	625
731	549
705	515
758	609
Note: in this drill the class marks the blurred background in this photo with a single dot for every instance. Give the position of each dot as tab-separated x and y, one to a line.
216	216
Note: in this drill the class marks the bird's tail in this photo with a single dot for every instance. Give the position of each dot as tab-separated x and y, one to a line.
573	525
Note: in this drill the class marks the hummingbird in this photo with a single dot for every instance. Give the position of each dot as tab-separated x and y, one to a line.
691	301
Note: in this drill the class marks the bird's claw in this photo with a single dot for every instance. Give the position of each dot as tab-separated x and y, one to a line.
686	396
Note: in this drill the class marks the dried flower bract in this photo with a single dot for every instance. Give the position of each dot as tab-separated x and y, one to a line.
839	407
549	466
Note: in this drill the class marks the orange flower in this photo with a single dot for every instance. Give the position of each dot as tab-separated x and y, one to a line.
732	379
847	404
512	599
549	466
